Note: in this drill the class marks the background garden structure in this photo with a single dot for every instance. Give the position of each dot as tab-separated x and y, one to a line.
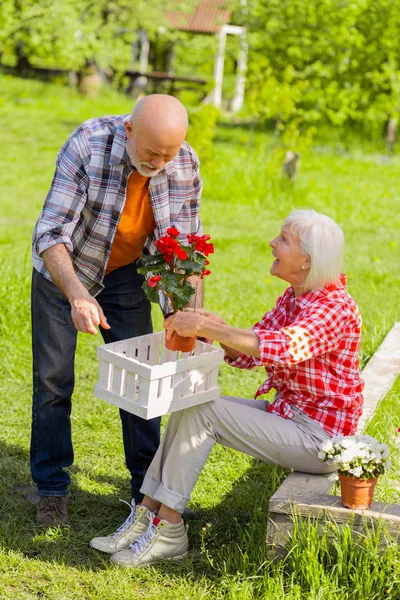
349	176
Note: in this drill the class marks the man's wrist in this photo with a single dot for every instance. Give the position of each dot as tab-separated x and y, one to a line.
77	292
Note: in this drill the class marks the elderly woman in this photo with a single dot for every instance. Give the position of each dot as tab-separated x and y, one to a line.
308	345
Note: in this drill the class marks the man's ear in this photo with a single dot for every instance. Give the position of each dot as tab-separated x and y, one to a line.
128	128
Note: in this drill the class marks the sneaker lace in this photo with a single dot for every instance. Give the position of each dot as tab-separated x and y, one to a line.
140	544
128	522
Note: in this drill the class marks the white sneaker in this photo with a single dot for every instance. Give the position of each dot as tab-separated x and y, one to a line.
162	540
134	526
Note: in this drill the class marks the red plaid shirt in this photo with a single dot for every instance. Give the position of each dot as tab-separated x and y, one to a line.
309	348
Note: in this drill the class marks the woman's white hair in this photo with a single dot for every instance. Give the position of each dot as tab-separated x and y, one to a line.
323	241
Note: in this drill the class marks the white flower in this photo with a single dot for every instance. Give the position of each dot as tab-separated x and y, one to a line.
327	446
348	443
357	471
333	477
384	450
348	455
357	454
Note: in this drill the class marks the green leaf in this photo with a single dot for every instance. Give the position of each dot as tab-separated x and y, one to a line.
190	267
151	293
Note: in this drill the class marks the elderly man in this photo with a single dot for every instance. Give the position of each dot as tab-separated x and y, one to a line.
120	182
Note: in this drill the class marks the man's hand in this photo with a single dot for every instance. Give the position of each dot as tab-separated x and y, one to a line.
87	314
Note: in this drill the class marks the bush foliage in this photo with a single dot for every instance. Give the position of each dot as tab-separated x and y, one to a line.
324	60
310	63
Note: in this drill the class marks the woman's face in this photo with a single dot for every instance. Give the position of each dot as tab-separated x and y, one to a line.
290	264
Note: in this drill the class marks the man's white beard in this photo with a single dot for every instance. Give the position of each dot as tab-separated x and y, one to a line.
141	166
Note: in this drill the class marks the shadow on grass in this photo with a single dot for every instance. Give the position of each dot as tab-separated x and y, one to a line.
238	522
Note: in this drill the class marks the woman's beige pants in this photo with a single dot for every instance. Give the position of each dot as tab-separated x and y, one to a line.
238	423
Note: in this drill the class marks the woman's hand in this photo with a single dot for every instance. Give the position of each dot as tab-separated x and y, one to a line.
207	314
209	325
185	323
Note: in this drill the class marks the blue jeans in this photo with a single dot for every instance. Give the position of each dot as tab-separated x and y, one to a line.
53	345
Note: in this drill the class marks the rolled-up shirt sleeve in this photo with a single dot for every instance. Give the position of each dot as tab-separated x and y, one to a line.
317	332
243	361
66	197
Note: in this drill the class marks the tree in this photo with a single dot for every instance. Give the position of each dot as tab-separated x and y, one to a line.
315	61
68	33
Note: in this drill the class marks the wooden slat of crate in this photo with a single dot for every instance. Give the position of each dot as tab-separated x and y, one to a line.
149	411
308	495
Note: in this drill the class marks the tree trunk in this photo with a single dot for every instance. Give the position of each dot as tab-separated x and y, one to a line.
391	133
89	79
22	59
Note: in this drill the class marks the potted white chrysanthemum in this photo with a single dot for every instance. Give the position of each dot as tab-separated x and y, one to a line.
360	460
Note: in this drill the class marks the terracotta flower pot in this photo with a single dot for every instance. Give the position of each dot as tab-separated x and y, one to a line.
179	342
356	493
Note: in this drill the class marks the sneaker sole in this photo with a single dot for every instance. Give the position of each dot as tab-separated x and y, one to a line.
102	549
150	564
111	551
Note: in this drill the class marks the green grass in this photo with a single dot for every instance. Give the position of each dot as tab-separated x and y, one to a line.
245	200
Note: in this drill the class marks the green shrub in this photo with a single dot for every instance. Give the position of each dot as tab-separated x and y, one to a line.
202	128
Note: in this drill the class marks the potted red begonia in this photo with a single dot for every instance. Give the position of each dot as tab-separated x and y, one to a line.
168	270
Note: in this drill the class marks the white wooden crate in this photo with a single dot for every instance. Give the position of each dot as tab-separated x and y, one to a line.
144	378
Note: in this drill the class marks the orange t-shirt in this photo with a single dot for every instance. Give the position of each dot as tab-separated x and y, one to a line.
135	224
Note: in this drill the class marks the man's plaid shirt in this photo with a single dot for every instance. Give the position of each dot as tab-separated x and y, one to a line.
87	196
309	347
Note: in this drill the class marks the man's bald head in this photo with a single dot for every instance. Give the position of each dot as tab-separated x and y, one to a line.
155	132
160	112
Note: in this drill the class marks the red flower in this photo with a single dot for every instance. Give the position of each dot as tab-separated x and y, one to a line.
172	231
181	254
175	262
166	243
210	249
168	256
201	243
169	246
152	282
204	273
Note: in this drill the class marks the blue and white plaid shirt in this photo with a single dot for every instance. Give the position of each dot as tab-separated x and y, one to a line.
88	192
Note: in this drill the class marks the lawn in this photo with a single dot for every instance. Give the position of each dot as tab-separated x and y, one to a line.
244	202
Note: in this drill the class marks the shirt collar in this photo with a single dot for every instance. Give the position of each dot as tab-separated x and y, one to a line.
312	296
118	150
119	154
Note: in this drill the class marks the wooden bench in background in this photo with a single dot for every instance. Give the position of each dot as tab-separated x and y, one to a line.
167	83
